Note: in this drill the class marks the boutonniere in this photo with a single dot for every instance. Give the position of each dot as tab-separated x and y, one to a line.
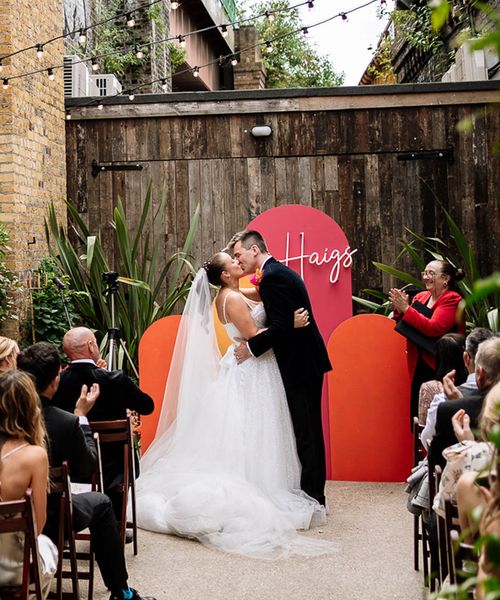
256	278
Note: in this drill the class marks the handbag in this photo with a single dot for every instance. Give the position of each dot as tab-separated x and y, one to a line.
415	336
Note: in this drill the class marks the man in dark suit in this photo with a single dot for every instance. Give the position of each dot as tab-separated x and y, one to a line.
466	398
70	438
301	353
117	394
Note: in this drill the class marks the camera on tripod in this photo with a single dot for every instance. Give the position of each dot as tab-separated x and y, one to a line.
111	279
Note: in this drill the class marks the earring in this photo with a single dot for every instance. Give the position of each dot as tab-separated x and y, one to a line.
445	284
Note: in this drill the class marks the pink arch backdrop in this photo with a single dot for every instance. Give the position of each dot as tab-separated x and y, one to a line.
365	398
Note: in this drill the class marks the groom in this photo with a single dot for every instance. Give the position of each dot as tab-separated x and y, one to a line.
301	354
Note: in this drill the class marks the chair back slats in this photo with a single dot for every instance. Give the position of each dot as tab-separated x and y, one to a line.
19	516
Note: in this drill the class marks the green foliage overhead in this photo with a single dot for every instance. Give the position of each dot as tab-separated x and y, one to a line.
294	62
151	287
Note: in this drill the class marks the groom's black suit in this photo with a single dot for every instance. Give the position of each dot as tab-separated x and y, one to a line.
302	360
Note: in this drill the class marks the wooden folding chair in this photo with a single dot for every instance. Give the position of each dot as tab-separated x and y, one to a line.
67	538
419	538
18	516
113	432
441	530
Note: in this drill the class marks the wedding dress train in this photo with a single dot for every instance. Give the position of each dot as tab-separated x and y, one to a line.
225	471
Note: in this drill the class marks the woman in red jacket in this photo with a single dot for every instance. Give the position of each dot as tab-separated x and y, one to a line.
441	297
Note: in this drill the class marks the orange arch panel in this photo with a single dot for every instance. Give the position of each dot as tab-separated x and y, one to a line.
369	391
155	355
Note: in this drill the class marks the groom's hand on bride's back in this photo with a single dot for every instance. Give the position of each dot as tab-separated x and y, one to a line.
241	352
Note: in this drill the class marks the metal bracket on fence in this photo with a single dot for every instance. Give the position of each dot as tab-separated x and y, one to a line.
101	167
446	154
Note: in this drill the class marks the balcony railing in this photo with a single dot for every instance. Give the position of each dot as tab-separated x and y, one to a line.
230	8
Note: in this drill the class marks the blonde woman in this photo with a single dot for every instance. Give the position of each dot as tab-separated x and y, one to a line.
8	353
23	464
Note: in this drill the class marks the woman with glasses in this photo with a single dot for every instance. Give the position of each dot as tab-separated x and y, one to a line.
441	299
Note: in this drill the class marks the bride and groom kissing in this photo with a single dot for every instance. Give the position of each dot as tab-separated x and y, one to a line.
238	460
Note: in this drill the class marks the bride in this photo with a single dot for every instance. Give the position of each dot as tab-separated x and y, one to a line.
223	467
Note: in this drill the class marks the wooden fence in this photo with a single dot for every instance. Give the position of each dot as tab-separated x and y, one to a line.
376	159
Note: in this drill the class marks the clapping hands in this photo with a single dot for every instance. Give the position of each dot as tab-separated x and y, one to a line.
450	389
400	300
461	426
86	400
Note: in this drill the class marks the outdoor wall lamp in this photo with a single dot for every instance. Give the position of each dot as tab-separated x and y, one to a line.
261	131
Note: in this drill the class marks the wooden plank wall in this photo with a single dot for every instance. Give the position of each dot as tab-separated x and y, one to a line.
343	162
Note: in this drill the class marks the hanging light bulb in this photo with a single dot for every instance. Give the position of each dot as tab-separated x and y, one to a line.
344	17
234	60
94	65
269	47
269	16
182	41
39	50
5	83
305	32
139	53
82	36
130	20
100	106
196	72
68	115
164	85
223	30
131	96
310	4
50	73
174	5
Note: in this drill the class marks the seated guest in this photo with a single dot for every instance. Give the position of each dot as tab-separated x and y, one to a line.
475	337
8	353
441	298
469	455
449	357
70	439
117	394
471	401
23	464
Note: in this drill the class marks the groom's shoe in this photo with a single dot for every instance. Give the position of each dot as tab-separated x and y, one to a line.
135	596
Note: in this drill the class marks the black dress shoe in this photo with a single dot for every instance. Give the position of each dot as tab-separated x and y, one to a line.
135	596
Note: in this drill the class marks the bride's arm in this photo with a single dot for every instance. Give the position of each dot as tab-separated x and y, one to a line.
239	315
252	293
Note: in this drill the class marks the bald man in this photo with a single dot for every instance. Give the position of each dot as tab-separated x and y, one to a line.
117	393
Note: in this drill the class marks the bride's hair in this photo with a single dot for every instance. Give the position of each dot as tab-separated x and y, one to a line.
214	267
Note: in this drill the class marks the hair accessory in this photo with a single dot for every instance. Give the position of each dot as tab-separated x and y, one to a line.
206	265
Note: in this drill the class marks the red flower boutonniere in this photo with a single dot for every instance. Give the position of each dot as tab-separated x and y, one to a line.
256	278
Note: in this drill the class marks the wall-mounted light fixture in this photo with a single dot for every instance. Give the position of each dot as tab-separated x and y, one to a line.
261	131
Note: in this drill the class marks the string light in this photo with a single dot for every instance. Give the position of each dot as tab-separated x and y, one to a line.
234	60
344	17
68	115
130	20
164	85
196	71
94	65
39	50
100	106
223	30
269	47
310	4
269	16
138	52
305	32
82	36
50	73
5	83
174	5
182	41
131	96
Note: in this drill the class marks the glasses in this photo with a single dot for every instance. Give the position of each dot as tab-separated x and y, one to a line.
429	274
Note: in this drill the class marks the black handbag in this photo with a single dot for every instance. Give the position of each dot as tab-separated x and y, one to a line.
415	336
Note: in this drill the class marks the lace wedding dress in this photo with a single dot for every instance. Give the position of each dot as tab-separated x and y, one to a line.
225	470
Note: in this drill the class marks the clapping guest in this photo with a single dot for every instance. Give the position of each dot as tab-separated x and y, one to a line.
8	353
23	465
449	357
442	299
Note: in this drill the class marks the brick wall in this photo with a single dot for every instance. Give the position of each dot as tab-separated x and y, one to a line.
32	127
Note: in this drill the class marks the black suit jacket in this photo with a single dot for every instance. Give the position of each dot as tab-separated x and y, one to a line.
117	392
67	440
472	403
301	353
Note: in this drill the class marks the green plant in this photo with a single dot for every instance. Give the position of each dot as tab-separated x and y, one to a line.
8	279
149	291
47	320
481	298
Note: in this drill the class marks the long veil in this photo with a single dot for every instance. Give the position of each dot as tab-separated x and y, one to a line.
194	366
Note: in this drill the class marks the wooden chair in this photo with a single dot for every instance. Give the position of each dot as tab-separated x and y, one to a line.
18	516
67	538
113	432
441	530
419	537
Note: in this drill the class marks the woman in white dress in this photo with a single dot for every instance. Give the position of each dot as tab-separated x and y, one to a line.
223	466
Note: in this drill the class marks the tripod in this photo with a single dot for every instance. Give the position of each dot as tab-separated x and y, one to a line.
114	340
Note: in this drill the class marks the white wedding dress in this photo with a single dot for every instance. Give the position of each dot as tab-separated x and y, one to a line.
226	471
